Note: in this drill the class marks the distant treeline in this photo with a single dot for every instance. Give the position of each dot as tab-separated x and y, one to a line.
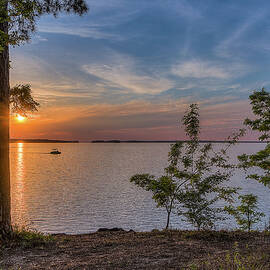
201	141
40	141
117	141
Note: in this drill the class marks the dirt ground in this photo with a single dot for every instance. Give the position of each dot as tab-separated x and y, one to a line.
133	250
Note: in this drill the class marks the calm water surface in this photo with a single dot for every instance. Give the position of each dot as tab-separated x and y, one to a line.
87	186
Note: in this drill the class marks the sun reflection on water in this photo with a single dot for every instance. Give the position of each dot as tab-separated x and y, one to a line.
19	183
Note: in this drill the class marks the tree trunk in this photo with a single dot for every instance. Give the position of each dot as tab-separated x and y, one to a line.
168	220
5	216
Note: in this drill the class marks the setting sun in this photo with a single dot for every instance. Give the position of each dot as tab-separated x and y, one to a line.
20	118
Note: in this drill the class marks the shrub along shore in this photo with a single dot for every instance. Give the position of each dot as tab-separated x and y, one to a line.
119	249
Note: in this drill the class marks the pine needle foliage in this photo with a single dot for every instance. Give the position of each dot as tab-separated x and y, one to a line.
22	15
21	100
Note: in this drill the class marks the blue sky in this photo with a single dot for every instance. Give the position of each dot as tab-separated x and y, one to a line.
129	69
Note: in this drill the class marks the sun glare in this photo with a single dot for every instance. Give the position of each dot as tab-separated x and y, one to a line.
20	118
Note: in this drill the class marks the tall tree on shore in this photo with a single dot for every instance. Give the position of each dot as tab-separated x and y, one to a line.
17	23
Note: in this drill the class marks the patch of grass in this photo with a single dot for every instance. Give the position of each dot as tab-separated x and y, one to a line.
29	238
244	259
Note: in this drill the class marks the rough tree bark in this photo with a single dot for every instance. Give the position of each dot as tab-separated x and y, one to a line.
5	216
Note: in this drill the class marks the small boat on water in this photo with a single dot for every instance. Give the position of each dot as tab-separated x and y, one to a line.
55	152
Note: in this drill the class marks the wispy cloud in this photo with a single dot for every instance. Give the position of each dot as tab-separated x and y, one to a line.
199	69
122	71
94	32
223	49
37	39
183	8
100	23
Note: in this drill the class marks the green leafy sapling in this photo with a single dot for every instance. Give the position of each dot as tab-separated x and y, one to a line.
260	101
194	179
203	172
164	191
245	214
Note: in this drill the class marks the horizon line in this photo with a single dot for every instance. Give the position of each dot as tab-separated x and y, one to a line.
14	140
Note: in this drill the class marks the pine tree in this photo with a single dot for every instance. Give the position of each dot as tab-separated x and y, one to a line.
17	23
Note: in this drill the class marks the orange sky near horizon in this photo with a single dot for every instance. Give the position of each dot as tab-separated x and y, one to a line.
133	120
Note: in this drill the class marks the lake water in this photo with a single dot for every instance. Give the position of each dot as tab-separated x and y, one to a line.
87	186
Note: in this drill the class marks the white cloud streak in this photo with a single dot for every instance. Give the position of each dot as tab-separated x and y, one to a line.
121	71
199	69
223	48
83	31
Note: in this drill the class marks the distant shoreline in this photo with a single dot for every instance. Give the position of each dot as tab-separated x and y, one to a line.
40	141
117	141
201	141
